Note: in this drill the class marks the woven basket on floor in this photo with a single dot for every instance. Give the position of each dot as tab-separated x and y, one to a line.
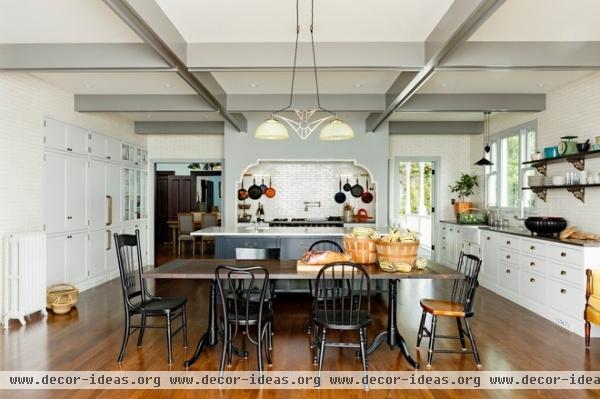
58	291
362	250
63	304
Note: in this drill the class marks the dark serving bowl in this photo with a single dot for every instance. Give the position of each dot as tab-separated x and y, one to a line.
545	226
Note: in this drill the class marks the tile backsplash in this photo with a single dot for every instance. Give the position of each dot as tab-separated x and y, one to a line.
314	181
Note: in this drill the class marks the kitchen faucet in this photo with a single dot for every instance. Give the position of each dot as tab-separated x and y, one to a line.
311	204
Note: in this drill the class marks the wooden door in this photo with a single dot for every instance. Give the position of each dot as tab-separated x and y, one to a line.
182	195
161	228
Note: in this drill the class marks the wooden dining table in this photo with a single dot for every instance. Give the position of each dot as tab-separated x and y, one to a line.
204	269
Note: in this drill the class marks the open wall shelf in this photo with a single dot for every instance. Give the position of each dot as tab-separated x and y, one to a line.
578	190
577	160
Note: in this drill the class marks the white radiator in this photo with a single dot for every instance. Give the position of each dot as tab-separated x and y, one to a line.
24	277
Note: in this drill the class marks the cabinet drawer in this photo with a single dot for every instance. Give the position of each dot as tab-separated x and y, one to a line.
511	242
531	264
533	247
253	243
564	273
565	298
508	256
533	287
564	254
508	278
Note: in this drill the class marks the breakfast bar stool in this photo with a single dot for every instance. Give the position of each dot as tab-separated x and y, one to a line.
460	306
592	303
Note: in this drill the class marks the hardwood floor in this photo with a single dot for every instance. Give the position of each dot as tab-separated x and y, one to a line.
88	338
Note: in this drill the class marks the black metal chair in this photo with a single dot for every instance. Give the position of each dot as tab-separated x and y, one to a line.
138	301
240	308
343	303
459	306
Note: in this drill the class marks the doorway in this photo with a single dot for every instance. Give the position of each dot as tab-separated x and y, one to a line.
415	200
193	188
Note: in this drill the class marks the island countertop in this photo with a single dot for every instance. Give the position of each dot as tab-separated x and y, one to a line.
279	231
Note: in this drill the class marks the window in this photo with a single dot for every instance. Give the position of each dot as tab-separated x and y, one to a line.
508	175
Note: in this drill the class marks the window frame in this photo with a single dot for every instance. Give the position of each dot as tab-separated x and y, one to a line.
522	131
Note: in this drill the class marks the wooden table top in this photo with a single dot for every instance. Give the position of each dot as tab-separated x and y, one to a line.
203	269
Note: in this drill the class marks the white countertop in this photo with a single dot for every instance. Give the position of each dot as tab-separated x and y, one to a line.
279	231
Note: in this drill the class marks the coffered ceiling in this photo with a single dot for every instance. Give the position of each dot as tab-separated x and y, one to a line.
201	60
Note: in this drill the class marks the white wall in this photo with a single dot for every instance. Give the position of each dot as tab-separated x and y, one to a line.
24	102
571	110
454	152
185	147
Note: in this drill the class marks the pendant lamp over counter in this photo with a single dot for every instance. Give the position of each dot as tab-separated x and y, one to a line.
486	137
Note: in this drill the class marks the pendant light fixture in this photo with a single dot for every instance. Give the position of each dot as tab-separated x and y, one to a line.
486	137
334	129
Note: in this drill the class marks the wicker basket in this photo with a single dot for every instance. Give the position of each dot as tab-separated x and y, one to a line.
58	291
362	250
398	252
63	304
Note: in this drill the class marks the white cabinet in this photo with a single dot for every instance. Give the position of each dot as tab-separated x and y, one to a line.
97	145
489	266
97	252
55	135
77	140
55	186
128	154
113	149
76	265
96	192
56	252
112	264
75	193
113	193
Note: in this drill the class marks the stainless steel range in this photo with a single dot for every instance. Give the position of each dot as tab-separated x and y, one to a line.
331	221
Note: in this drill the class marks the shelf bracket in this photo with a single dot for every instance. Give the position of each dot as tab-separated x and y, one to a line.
541	193
542	168
578	192
577	162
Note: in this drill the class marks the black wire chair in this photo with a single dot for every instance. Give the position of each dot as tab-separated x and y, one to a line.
343	303
242	308
137	299
459	306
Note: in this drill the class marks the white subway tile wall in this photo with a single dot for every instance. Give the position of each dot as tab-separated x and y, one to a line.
297	182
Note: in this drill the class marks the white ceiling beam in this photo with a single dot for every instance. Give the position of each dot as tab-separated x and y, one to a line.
524	55
435	127
81	57
475	103
456	26
278	56
150	23
333	102
141	103
179	127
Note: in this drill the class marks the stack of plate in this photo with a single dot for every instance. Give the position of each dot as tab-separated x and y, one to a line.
534	181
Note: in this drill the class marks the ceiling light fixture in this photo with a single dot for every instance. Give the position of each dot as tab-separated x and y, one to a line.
304	126
486	137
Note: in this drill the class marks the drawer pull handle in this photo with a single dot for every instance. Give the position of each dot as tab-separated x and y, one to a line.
563	273
488	238
507	271
563	254
507	242
532	280
532	247
532	264
507	256
563	291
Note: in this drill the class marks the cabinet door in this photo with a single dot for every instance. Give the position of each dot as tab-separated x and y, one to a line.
76	257
113	149
489	266
113	191
55	216
55	134
76	191
452	246
56	248
96	260
112	264
96	195
77	140
96	145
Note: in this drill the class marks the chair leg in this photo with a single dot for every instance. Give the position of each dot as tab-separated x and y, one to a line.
420	333
184	323
179	249
201	248
259	342
142	330
461	335
125	339
270	336
588	331
268	346
322	351
230	345
431	340
473	344
224	353
193	248
169	340
363	353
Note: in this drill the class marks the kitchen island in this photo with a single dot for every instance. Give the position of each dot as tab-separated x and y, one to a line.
291	241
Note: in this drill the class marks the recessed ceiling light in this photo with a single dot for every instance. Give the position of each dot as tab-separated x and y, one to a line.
253	85
168	85
444	84
148	116
540	85
89	85
357	85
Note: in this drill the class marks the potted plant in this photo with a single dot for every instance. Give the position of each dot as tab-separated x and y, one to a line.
464	188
